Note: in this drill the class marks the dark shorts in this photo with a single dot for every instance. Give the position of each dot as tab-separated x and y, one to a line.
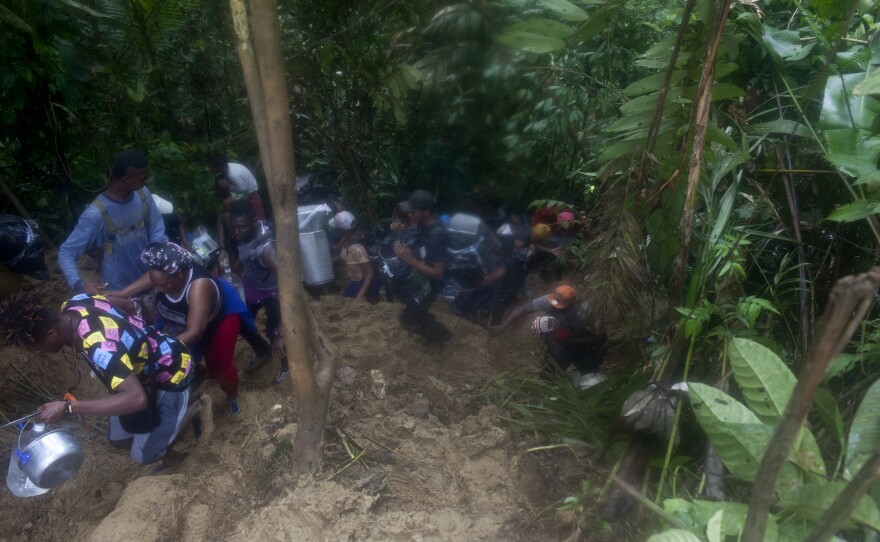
150	447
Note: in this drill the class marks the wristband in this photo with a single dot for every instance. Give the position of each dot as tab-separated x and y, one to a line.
68	408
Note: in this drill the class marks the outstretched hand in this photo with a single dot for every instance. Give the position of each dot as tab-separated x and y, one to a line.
93	288
51	412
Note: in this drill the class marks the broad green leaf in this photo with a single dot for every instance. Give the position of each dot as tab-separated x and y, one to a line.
782	43
829	413
698	514
717	135
840	109
811	501
864	433
871	85
544	27
855	211
737	434
766	382
653	83
725	91
14	20
840	365
646	103
528	41
782	126
565	9
674	535
854	165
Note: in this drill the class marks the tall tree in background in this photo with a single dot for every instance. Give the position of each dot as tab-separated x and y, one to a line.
267	91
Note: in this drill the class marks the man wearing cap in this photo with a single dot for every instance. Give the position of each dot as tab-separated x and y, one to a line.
572	342
121	222
427	256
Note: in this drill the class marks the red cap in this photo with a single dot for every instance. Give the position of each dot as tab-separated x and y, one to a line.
562	297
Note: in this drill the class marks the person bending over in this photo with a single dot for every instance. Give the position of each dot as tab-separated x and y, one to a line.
256	252
125	354
205	312
572	342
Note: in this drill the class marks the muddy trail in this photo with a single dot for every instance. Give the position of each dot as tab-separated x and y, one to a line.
432	459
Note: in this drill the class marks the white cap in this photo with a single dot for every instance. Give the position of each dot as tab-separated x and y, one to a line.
165	206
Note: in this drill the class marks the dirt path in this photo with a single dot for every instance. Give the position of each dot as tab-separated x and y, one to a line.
435	460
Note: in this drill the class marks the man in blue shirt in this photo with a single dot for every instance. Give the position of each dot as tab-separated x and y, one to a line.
121	222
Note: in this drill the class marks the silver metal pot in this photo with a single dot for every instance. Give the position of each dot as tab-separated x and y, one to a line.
51	458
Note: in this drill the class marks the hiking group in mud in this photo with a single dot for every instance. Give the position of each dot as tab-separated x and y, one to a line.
163	317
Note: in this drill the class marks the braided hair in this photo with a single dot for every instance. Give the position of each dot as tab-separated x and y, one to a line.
25	321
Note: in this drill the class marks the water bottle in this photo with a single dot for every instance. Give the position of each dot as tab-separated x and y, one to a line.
232	278
16	479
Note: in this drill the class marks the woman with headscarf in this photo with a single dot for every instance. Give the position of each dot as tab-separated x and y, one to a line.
209	310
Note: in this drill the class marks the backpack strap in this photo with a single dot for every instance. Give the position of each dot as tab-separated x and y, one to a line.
111	227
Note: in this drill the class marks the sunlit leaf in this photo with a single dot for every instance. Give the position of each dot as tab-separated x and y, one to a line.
738	435
528	41
781	126
871	85
855	211
674	535
565	10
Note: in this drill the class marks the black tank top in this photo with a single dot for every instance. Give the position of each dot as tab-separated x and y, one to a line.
176	309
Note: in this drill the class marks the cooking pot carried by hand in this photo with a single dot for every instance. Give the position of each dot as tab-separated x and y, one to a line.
47	459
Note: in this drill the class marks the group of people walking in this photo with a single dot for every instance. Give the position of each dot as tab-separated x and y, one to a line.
149	354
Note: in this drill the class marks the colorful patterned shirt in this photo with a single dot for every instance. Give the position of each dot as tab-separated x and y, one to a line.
116	345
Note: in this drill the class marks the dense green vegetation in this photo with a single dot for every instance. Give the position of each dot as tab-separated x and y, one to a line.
590	101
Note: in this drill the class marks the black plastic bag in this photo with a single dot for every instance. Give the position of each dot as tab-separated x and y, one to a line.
20	247
147	419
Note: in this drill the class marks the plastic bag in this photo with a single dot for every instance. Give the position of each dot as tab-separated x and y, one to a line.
20	247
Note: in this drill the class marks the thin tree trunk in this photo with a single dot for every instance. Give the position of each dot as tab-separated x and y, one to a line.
311	395
700	124
251	80
657	117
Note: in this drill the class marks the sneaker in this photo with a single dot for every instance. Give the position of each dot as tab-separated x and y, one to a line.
280	377
589	380
256	362
234	408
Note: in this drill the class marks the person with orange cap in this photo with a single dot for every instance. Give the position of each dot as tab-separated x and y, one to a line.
570	341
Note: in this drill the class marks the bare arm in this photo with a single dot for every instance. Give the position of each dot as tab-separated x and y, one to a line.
434	271
522	310
202	297
129	397
137	287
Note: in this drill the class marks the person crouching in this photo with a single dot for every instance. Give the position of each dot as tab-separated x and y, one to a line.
137	364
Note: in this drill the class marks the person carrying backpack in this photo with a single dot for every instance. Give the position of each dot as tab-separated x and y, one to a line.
426	256
121	222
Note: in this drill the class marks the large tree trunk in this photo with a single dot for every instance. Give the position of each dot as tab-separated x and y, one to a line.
300	331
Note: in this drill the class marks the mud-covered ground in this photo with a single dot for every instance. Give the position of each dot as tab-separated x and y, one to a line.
435	458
